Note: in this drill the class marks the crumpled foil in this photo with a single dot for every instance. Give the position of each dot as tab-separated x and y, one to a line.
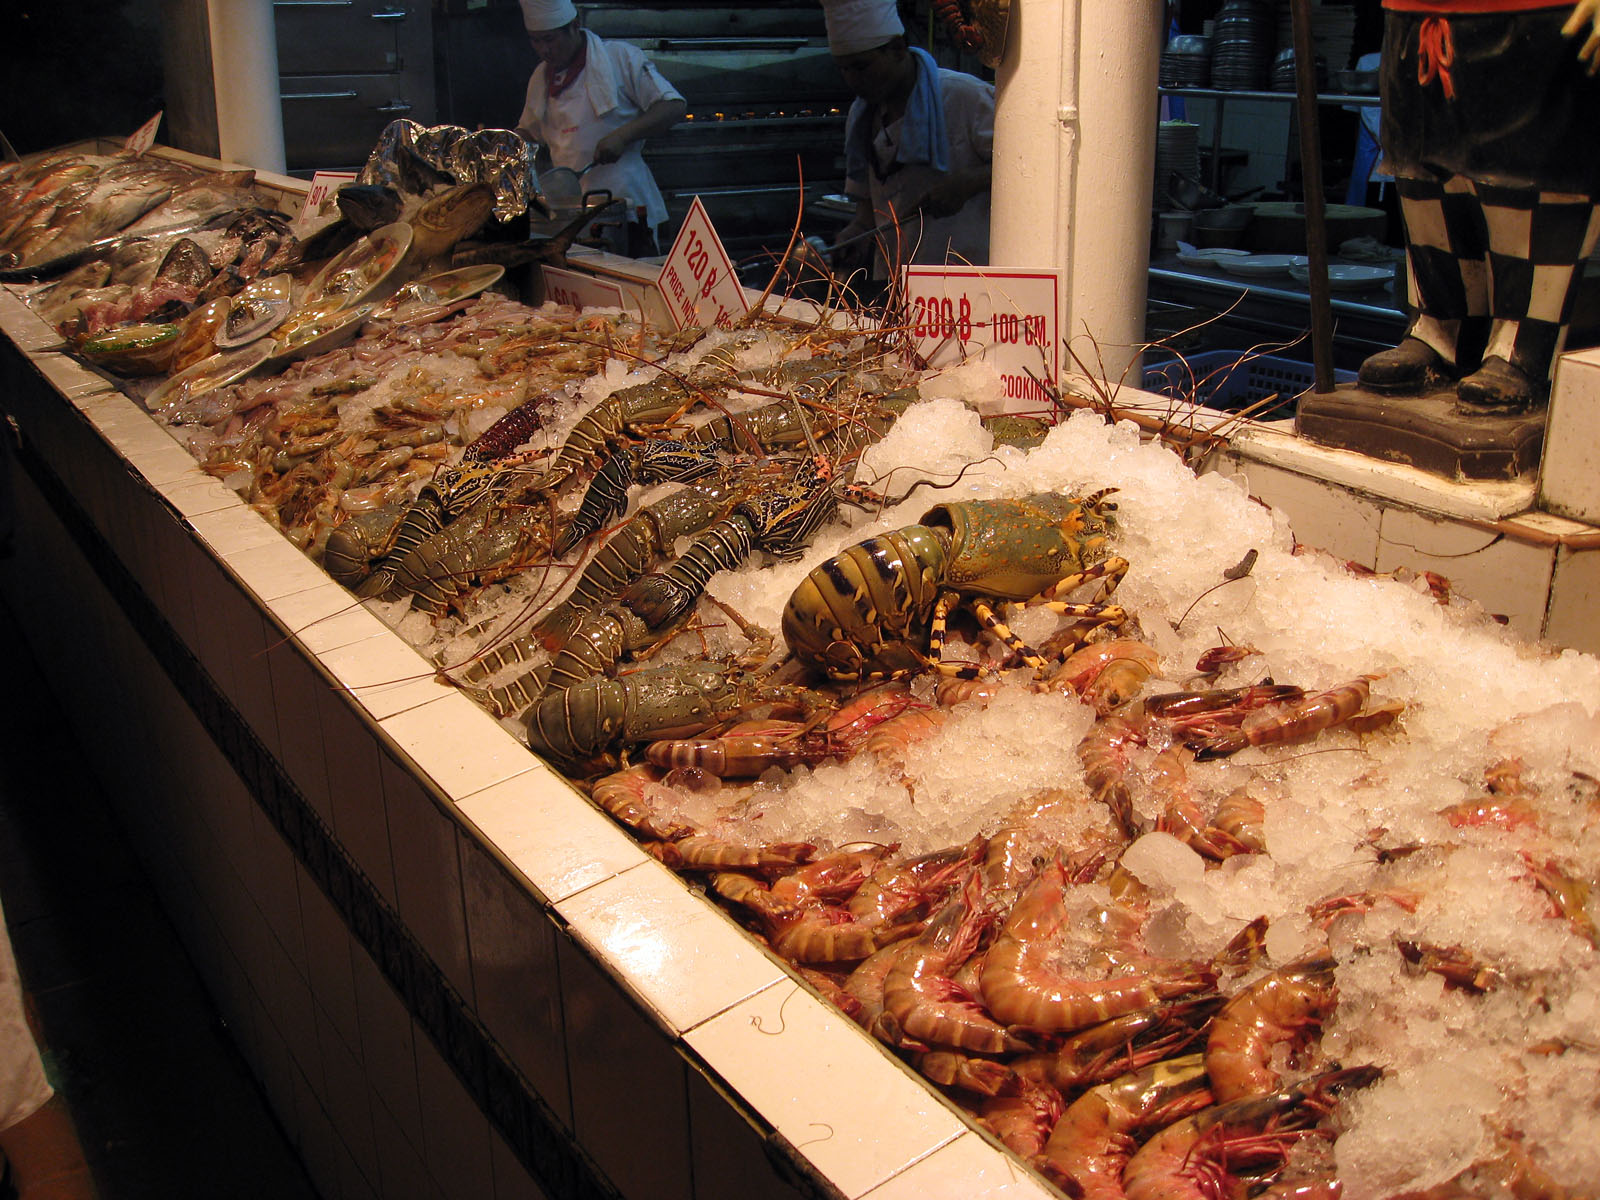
412	158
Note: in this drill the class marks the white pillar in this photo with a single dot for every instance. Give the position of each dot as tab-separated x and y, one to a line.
244	74
1074	161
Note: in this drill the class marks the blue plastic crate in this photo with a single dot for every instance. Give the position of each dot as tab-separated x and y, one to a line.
1230	380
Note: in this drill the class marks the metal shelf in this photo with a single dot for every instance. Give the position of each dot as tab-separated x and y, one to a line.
1336	99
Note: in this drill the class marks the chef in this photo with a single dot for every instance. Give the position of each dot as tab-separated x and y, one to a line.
919	141
594	101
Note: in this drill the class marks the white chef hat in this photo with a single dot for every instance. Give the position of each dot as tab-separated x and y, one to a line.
857	25
541	16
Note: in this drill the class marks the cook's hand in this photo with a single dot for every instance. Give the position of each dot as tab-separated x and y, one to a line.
609	148
854	257
1586	16
947	196
944	199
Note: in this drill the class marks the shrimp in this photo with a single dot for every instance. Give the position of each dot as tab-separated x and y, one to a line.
821	933
895	894
923	999
1106	675
698	852
1181	815
1022	991
982	1076
1194	1158
1023	1121
626	796
1276	1009
1120	1045
892	740
1104	754
1095	1137
865	986
1300	720
1242	819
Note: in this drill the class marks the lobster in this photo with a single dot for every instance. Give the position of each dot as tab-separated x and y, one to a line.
866	613
779	521
658	460
451	492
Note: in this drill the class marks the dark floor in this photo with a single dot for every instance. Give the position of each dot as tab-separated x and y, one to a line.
164	1104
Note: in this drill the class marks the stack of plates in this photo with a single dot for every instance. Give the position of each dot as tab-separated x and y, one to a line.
1186	62
1242	45
1333	32
1283	78
1177	149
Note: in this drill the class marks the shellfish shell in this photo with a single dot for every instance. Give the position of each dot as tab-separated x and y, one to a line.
256	311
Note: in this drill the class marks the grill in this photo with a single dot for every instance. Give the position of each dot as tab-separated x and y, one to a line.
766	103
765	131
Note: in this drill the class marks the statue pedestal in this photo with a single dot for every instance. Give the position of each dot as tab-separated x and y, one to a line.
1426	431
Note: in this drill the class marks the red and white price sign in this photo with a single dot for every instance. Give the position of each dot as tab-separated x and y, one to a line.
1008	317
581	291
697	280
319	207
142	138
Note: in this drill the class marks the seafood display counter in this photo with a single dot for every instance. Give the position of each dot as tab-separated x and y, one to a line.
456	975
452	974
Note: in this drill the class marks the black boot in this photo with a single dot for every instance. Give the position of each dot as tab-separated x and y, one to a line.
1405	370
1497	386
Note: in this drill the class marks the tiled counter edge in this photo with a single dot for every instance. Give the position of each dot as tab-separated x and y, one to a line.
388	862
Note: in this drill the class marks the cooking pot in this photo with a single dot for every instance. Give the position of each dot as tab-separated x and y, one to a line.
562	188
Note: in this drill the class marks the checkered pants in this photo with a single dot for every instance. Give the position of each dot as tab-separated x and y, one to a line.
1494	269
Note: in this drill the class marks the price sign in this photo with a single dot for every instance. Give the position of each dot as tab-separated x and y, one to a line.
581	291
1008	317
142	138
697	280
319	207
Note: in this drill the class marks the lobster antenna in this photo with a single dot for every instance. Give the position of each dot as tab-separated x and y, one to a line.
938	487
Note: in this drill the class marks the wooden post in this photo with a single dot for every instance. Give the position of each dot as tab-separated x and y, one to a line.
1305	71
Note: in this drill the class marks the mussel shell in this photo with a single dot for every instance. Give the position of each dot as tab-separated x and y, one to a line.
144	349
256	311
197	338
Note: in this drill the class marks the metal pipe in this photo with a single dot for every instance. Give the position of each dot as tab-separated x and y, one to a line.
1074	163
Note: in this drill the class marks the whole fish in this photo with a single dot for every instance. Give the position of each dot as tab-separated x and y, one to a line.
446	218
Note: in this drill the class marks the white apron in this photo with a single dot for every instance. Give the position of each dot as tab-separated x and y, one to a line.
617	84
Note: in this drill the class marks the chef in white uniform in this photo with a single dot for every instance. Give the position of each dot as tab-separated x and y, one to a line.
596	101
919	141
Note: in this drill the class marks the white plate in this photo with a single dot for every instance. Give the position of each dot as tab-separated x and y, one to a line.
1214	256
359	272
1348	277
1257	265
317	336
228	366
446	287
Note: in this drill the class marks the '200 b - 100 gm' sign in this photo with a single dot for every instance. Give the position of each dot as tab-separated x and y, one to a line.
1008	317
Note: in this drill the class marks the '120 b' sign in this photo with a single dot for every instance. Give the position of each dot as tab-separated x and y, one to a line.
697	281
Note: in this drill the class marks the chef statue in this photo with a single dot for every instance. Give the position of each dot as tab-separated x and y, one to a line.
918	145
595	102
1491	116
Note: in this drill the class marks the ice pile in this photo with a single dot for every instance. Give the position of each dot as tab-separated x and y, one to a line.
1468	1075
